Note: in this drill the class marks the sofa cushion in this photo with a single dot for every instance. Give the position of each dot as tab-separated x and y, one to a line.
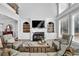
11	40
65	39
5	38
8	38
49	42
65	36
6	52
57	43
14	52
62	51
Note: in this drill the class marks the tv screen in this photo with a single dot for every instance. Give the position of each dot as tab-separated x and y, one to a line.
38	24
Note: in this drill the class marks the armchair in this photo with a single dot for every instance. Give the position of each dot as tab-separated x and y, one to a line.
62	46
65	39
9	40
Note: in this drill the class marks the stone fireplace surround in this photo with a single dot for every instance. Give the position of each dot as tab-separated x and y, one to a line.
38	36
38	33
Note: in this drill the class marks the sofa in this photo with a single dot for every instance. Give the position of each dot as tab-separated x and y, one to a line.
9	40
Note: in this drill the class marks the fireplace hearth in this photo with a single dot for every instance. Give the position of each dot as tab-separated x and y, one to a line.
38	36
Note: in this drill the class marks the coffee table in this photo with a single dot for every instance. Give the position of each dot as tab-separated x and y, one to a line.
33	47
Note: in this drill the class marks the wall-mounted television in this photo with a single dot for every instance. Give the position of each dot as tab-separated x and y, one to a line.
38	24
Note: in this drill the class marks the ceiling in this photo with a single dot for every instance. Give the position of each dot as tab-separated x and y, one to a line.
37	10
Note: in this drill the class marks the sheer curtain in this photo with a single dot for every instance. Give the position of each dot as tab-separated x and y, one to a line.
62	7
64	25
76	20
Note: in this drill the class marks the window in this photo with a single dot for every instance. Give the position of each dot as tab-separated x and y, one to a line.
64	25
26	27
62	7
50	27
76	20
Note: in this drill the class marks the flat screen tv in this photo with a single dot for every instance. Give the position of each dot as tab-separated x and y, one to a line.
38	24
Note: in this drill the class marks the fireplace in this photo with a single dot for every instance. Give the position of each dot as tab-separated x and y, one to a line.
38	36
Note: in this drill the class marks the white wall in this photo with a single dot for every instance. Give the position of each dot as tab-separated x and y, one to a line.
36	11
29	36
6	20
22	35
7	11
51	35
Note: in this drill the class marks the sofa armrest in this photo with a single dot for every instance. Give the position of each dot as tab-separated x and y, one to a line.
17	44
14	52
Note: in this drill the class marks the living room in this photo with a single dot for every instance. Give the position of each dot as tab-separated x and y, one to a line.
39	29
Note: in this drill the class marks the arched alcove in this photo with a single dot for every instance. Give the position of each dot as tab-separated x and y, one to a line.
26	27
50	27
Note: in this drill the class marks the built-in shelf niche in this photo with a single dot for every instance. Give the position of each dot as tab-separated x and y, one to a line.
50	27
26	27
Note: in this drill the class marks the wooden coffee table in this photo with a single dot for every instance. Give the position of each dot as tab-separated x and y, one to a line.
34	47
